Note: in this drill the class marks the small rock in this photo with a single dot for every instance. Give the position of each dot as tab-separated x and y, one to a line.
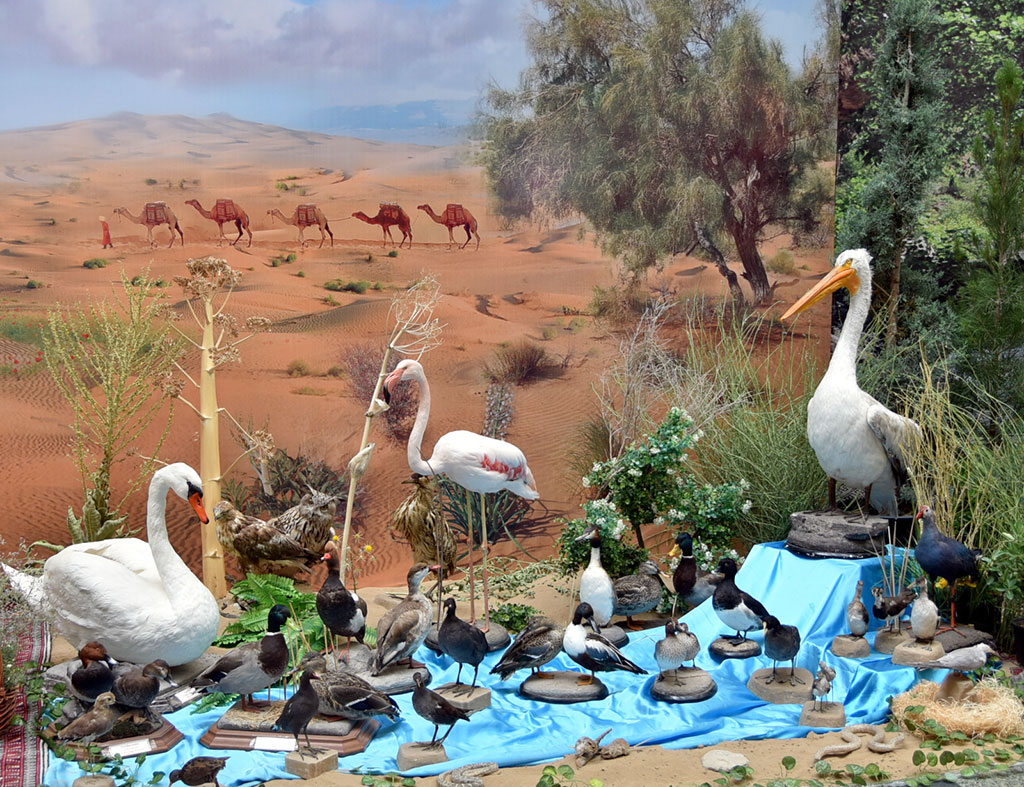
722	760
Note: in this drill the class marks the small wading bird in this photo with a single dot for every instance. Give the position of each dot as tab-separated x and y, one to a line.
462	642
299	711
435	709
474	462
822	684
781	643
888	607
858	441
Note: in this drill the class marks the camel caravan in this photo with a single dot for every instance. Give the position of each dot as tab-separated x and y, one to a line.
227	211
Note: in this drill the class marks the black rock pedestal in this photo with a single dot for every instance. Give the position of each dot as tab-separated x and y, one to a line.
497	637
729	648
851	647
562	688
684	685
836	534
780	691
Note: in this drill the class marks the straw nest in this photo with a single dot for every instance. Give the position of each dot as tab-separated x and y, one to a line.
989	707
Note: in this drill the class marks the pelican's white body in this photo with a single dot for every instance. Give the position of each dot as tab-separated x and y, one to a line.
596	589
138	599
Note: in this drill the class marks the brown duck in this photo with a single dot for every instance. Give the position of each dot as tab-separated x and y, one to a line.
403	629
94	724
199	770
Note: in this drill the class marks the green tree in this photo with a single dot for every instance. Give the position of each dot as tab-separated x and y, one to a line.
107	363
664	122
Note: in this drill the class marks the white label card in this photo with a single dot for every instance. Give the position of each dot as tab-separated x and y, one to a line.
187	694
266	743
131	748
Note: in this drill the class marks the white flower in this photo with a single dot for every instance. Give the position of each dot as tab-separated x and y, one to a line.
655	450
747	506
596	467
586	481
634	472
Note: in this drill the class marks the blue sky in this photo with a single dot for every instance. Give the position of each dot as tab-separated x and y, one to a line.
273	61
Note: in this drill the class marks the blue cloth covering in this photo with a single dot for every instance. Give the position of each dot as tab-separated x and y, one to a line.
810	594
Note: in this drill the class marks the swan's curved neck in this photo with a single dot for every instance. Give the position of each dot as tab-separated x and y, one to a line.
178	580
844	357
416	461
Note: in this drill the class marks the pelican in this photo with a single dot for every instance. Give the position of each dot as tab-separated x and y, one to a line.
859	442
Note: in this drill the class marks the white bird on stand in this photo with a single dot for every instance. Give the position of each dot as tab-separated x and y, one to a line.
474	462
859	442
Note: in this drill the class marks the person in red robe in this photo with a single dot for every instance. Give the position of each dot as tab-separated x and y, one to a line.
106	233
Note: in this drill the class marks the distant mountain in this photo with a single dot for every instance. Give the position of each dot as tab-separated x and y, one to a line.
421	122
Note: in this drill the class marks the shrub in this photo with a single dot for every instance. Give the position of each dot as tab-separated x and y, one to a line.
301	274
514	617
308	390
299	368
337	285
34	285
336	371
282	259
281	186
620	554
369	257
393	253
782	262
151	181
362	365
577	324
517	363
95	262
548	333
616	305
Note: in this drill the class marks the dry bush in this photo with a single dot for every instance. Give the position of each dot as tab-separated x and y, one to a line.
517	363
362	365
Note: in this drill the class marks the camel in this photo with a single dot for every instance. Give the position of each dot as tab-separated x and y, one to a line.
454	216
389	214
305	216
153	215
225	210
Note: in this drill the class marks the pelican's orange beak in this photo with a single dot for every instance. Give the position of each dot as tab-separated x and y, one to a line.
196	499
840	276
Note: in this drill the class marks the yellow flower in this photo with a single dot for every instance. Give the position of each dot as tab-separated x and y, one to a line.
368	547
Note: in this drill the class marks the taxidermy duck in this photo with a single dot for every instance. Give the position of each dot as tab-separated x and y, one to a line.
252	666
591	650
857	613
638	593
942	556
535	646
858	441
735	608
94	676
136	597
678	646
462	642
924	615
403	629
781	643
435	709
345	694
198	770
889	607
255	542
341	610
93	724
137	687
299	711
596	587
690	582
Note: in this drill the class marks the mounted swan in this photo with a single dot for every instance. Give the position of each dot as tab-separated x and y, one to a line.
859	442
139	599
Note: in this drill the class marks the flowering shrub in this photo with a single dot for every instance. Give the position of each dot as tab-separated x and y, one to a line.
708	557
618	556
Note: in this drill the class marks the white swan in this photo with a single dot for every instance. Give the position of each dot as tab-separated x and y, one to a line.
139	599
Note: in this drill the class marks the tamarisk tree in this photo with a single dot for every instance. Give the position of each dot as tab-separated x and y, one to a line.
207	289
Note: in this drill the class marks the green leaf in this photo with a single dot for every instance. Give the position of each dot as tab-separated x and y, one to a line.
858	779
912	782
789	763
947	757
823	767
407	782
933	760
596	783
968	771
367	780
566	771
919	757
549	770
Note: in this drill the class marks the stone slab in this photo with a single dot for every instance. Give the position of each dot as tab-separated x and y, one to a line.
562	688
913	652
830	714
684	685
729	648
477	699
886	641
416	755
780	692
398	678
722	760
839	534
357	658
963	637
851	647
498	637
308	765
262	718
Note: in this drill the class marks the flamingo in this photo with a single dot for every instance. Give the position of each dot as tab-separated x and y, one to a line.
476	463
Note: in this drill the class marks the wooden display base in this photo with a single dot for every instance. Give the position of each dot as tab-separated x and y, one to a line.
851	647
562	688
886	640
470	701
498	637
914	652
238	729
779	691
684	685
730	648
416	755
308	765
830	714
164	738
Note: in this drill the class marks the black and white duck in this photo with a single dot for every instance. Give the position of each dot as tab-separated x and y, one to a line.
736	609
638	593
139	686
435	709
461	642
596	587
94	676
678	646
403	629
690	582
252	666
198	771
535	646
591	650
942	556
889	607
857	614
345	694
781	643
299	711
341	609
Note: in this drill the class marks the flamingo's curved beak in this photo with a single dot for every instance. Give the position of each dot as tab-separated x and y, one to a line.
389	381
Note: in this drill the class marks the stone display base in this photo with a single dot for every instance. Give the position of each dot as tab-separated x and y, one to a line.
684	685
497	637
963	637
164	738
728	648
398	678
779	692
94	780
309	765
416	755
955	687
357	658
851	647
886	641
831	714
561	688
615	635
913	652
471	702
836	534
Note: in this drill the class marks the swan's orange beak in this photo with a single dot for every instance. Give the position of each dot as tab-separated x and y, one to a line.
196	499
840	276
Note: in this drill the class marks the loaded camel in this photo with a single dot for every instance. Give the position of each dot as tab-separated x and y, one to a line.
455	216
388	215
153	215
224	211
305	216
